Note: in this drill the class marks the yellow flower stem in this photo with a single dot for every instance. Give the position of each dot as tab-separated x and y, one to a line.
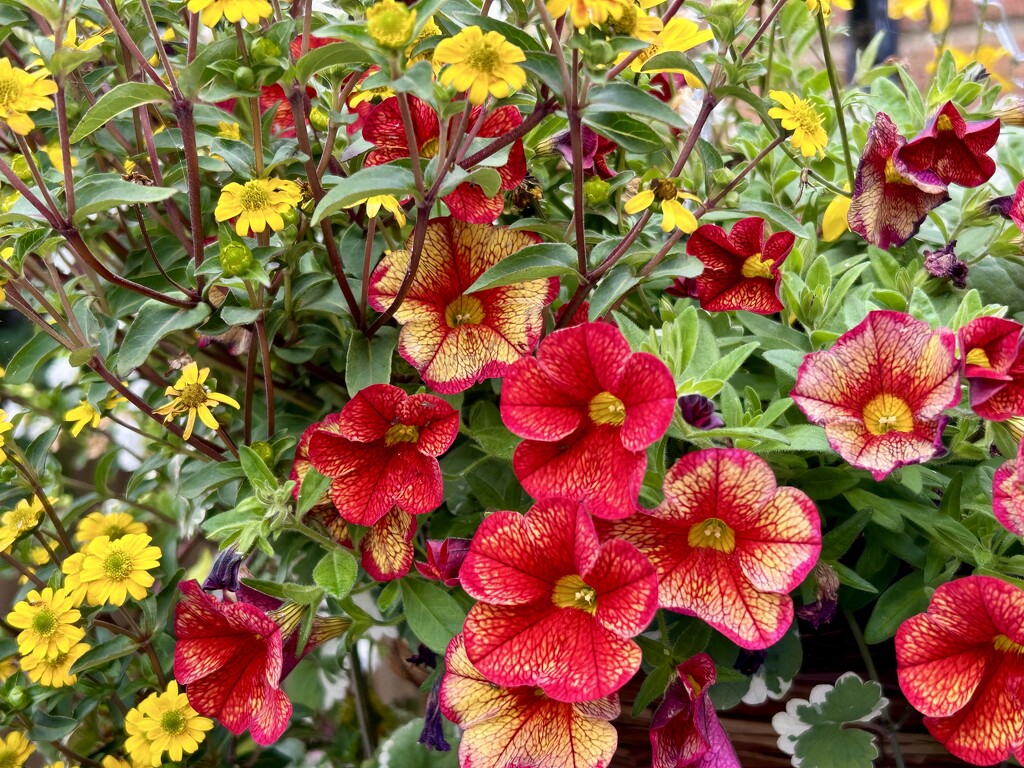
542	110
468	139
228	441
837	95
410	133
65	143
16	300
23	468
256	302
361	695
762	28
146	642
39	296
58	286
572	109
17	565
144	231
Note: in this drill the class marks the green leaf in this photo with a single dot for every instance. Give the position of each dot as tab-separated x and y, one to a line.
434	616
153	322
197	74
628	99
369	360
850	578
654	685
108	190
851	700
530	263
336	573
314	486
47	727
728	365
777	215
104	653
402	750
330	55
368	182
50	11
118	99
28	358
832	746
898	603
304	594
631	134
256	470
838	540
612	287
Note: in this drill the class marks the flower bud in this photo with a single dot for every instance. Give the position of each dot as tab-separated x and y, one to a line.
390	24
235	259
264	49
264	451
20	167
319	118
596	191
244	78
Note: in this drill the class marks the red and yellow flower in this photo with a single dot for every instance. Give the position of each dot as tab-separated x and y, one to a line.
385	130
444	560
1016	212
953	149
273	97
384	453
586	403
725	522
880	391
889	199
508	727
452	337
961	664
741	267
557	609
1008	494
993	364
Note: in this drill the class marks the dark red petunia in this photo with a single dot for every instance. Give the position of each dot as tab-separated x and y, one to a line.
595	148
889	200
954	149
1016	212
384	454
685	730
992	355
444	560
273	97
584	404
741	268
385	130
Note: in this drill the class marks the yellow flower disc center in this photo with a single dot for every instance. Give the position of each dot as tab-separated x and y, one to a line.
484	58
430	148
117	566
8	757
45	622
944	123
892	176
626	23
757	266
173	722
401	433
10	91
606	408
803	114
664	189
572	592
978	357
465	310
888	413
193	395
255	196
712	534
1005	645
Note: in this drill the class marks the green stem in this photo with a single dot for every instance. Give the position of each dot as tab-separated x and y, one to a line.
837	95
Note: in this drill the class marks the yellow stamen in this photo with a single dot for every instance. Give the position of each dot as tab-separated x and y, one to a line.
465	310
978	357
944	123
606	408
888	413
401	433
712	534
757	266
572	592
1006	645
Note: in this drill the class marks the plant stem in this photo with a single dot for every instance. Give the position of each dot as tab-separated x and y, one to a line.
361	696
837	95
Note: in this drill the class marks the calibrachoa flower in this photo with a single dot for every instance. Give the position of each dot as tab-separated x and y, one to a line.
384	129
164	722
54	671
191	395
1008	494
961	664
114	525
799	116
880	391
586	403
22	92
18	521
113	569
993	364
699	412
481	63
685	730
889	200
82	415
5	426
387	550
229	656
946	265
741	267
953	149
508	727
211	11
1016	210
557	609
728	544
444	560
453	338
673	213
594	147
384	453
257	204
15	750
47	623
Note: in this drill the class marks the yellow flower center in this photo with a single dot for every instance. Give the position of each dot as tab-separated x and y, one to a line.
193	395
255	196
803	114
606	408
484	58
572	592
944	123
892	176
117	566
712	534
45	623
401	433
757	266
430	148
9	758
697	688
888	413
10	91
978	357
465	310
1005	645
626	23
172	723
664	189
114	532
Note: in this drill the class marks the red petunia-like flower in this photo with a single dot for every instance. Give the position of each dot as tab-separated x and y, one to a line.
229	657
954	149
273	97
557	609
1008	494
513	727
454	338
741	268
880	391
685	730
1016	212
586	404
889	199
993	364
384	453
961	664
728	544
444	560
385	130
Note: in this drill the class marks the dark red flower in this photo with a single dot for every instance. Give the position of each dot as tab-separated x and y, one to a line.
444	559
683	288
954	149
595	147
1016	211
699	412
273	97
946	265
993	364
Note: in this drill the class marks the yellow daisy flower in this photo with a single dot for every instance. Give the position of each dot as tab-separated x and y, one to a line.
191	396
387	202
5	424
480	63
15	750
8	667
109	761
54	671
229	131
114	569
113	399
113	525
824	7
798	115
22	92
679	35
72	570
164	722
587	12
674	215
82	415
257	203
915	11
359	95
390	24
232	10
47	623
988	57
633	22
19	521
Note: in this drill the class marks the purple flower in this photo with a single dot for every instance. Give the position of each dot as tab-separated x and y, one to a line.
945	264
699	412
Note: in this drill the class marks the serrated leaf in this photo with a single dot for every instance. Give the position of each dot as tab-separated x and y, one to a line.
152	323
118	99
434	616
832	746
530	263
336	573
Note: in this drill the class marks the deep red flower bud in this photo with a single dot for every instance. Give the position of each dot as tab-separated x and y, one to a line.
444	559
